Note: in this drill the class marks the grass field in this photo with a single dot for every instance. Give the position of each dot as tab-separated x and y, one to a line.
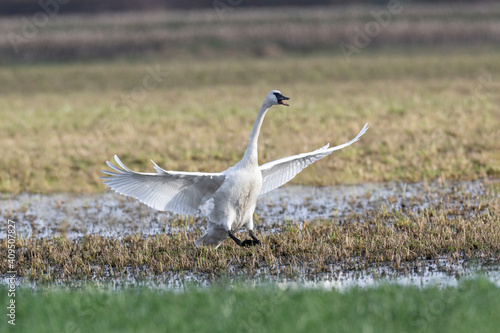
431	116
184	89
473	306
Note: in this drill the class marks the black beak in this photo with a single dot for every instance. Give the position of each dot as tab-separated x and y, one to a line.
281	98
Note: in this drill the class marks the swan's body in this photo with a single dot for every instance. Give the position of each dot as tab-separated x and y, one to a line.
234	191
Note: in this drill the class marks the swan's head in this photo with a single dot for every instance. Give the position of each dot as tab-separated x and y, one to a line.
275	98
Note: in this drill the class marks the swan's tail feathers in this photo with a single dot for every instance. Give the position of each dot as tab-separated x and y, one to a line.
213	237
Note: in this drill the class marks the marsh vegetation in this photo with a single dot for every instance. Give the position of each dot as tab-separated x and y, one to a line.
418	193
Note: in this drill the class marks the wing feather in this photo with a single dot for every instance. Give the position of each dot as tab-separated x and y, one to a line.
280	172
179	192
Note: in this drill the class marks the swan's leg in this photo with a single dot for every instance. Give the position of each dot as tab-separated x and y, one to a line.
249	225
255	240
233	237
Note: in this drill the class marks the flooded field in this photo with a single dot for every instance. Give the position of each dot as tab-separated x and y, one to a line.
299	227
113	215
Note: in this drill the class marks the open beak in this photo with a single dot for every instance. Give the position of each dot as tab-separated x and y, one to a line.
282	98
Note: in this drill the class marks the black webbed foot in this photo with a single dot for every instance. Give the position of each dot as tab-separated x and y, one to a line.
255	240
250	242
247	242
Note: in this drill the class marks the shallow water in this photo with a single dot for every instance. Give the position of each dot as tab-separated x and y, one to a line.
113	215
422	274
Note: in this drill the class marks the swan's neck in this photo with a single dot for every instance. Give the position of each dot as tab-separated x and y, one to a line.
251	154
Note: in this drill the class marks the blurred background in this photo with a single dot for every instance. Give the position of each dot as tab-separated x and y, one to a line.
56	30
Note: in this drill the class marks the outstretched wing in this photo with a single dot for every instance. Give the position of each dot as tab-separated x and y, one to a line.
178	192
280	172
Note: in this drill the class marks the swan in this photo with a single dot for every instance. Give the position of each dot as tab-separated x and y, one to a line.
234	191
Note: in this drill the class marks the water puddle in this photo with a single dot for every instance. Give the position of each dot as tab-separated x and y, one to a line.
422	274
113	215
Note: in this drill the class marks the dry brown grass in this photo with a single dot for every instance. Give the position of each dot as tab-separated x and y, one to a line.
430	115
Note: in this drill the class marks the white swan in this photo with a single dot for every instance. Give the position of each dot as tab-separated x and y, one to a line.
234	191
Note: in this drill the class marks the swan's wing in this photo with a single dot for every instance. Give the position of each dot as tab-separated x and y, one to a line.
280	172
178	192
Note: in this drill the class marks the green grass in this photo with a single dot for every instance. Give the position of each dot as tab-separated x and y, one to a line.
473	306
432	114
